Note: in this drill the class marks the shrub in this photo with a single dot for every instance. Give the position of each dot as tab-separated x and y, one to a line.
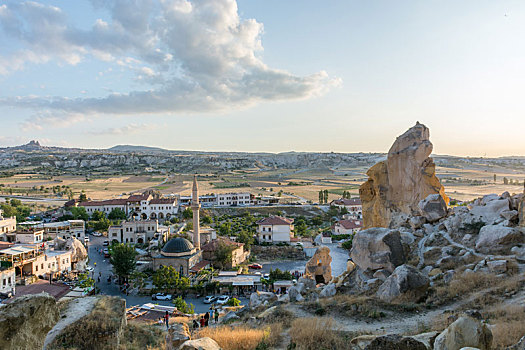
237	338
182	306
233	302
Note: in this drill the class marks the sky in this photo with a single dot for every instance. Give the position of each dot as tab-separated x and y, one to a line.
264	75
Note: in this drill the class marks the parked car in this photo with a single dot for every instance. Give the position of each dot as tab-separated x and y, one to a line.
161	296
255	266
266	276
223	299
97	234
106	253
90	269
106	243
210	299
86	239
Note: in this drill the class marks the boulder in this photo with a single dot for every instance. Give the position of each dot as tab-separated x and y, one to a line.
25	322
377	248
416	222
509	214
267	312
200	344
399	183
497	239
395	342
318	267
307	282
497	266
433	207
465	331
361	342
229	316
294	292
490	211
381	274
406	283
178	333
261	298
328	291
78	250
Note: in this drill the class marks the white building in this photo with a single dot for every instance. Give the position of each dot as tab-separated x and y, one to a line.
61	229
344	227
353	205
234	199
142	206
7	225
138	232
29	236
7	280
275	229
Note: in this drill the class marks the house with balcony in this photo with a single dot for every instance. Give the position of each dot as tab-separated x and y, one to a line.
33	235
138	231
62	229
275	229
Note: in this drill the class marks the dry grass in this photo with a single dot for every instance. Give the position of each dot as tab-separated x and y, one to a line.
243	337
509	324
138	336
464	284
95	330
316	333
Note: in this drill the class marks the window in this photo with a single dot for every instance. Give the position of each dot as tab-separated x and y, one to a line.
9	280
42	266
181	270
36	269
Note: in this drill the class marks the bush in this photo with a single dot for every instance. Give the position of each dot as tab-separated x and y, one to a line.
182	306
233	302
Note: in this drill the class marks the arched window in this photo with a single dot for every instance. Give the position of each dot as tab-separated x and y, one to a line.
181	270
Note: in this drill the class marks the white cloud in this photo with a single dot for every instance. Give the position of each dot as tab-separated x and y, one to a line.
129	129
194	56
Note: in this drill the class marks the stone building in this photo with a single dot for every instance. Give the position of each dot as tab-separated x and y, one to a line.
238	254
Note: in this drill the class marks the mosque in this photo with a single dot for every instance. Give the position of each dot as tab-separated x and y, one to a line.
183	255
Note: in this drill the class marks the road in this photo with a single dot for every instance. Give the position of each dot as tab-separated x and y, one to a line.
104	268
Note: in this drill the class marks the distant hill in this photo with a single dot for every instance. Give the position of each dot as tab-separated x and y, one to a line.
132	148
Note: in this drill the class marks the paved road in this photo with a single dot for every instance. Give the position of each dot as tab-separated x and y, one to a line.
105	269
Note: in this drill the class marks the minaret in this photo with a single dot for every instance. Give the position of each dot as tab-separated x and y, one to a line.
195	206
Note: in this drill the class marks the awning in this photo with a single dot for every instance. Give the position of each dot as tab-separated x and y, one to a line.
16	250
243	283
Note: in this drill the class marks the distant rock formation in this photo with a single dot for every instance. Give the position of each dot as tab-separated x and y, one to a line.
318	267
398	184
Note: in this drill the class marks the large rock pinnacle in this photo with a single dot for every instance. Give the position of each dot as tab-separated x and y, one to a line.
399	183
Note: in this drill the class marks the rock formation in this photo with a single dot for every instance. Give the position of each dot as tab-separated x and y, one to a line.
405	284
200	344
398	184
261	298
25	322
466	331
377	248
318	267
78	251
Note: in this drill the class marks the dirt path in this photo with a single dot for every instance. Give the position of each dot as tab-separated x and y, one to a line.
76	309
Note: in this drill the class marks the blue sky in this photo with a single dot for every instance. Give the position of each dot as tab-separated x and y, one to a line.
263	75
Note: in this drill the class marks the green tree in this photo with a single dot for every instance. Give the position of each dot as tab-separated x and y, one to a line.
247	238
187	213
117	214
16	202
82	196
98	215
233	302
321	197
182	306
167	279
223	254
79	213
123	260
102	224
206	220
325	194
8	210
84	281
494	177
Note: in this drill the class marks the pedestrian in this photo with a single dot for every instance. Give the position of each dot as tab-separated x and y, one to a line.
211	314
195	324
167	320
202	321
216	316
206	319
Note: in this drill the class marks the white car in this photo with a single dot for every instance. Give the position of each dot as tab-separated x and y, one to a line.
161	296
97	234
266	276
223	299
90	269
209	299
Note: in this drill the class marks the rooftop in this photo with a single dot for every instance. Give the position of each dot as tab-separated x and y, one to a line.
347	201
275	220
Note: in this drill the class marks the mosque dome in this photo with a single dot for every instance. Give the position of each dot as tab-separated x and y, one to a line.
178	247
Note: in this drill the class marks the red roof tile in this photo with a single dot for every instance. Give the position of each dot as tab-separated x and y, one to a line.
347	201
162	201
199	266
101	203
275	220
213	245
350	224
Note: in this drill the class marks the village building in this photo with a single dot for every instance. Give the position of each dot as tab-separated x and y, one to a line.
238	254
352	205
234	199
7	225
345	227
136	231
31	235
183	255
7	281
34	260
61	229
275	229
140	206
